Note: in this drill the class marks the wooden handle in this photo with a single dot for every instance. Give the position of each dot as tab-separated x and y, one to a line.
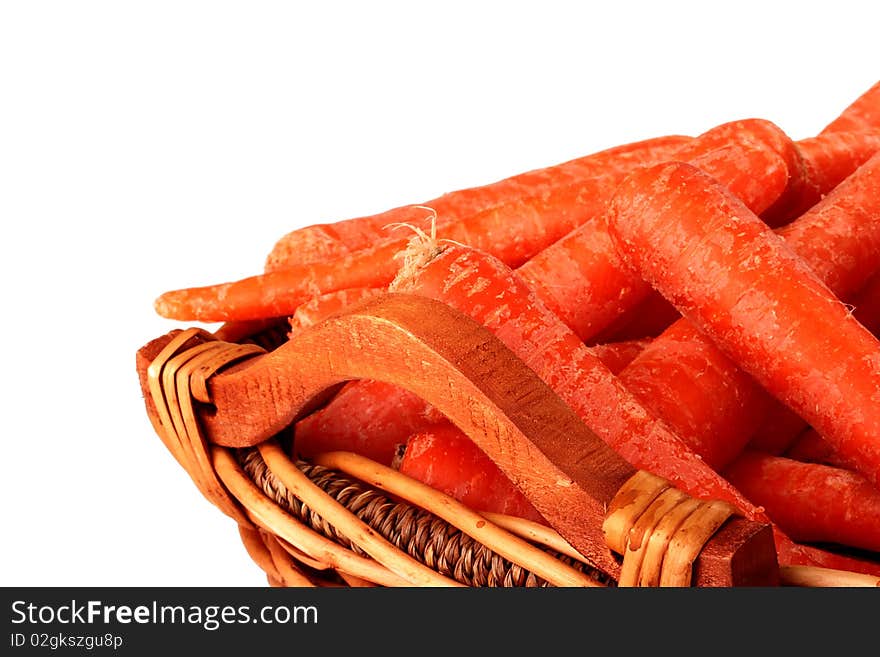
568	473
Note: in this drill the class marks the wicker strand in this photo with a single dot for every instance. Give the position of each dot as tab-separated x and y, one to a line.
348	524
659	530
289	574
415	531
177	381
641	531
477	526
272	517
256	547
814	576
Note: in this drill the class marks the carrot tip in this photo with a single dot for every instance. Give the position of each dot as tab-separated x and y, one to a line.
162	307
172	305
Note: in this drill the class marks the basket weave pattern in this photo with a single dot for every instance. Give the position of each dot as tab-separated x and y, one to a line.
417	532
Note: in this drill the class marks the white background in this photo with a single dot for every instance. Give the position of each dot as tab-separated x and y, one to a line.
155	145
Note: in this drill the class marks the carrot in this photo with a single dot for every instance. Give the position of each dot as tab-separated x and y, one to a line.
448	460
324	305
738	282
830	158
647	320
617	355
832	239
699	391
777	428
812	503
862	114
720	419
362	420
513	226
279	293
329	241
517	227
782	426
810	447
825	161
581	277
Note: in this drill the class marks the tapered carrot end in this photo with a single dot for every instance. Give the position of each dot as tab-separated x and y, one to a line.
199	304
169	305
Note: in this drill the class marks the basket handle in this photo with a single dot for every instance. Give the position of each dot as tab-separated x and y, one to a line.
581	486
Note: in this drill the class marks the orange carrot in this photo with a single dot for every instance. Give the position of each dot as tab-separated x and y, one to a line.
362	420
446	459
324	305
778	427
810	447
831	238
647	320
812	503
720	419
513	227
581	277
825	161
738	282
329	241
699	391
830	158
617	355
862	114
782	426
752	157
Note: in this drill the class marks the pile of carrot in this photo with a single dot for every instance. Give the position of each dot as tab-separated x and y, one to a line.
709	305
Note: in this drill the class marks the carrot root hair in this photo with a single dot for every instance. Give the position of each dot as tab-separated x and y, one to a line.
421	248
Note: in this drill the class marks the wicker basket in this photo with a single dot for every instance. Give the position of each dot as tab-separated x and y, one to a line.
343	520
